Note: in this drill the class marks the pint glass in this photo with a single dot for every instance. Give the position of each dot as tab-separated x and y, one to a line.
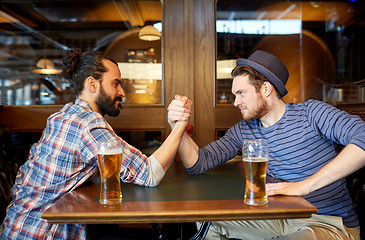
255	155
109	160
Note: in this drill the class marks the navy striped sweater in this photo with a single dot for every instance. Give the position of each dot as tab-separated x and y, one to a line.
307	137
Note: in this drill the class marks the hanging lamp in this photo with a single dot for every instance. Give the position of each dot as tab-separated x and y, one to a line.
149	33
46	66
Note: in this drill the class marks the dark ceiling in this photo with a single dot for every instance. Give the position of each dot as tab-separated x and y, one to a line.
31	30
48	27
76	23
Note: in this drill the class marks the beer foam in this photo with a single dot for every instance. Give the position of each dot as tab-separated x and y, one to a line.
110	151
255	159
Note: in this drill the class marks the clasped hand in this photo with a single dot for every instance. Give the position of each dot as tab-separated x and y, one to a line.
179	110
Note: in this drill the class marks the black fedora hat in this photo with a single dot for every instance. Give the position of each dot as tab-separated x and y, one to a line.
269	66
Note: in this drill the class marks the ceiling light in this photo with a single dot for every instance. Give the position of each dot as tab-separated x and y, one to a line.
45	66
149	33
315	4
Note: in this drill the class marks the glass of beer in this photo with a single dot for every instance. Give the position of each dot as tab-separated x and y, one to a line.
255	156
110	160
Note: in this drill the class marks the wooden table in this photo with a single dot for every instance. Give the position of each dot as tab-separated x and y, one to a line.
214	196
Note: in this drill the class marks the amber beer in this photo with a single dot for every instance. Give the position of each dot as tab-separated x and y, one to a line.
255	173
109	166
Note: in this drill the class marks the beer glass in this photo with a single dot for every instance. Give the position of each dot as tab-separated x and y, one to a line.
255	155
109	160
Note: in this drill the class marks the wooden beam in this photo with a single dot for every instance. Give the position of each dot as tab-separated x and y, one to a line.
33	118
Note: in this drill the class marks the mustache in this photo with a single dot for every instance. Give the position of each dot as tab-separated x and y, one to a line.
120	99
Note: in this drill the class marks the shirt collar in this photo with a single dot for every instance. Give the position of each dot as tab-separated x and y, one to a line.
83	104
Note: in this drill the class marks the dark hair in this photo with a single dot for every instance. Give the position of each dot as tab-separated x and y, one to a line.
256	79
78	66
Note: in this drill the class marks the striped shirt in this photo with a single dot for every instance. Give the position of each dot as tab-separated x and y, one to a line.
63	159
306	138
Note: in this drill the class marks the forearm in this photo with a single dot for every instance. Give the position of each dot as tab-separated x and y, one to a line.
350	159
166	152
155	172
188	151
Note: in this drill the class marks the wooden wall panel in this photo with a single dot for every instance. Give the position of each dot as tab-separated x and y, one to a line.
33	118
226	116
139	117
26	118
178	59
204	54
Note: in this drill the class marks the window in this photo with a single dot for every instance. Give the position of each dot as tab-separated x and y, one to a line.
34	36
321	43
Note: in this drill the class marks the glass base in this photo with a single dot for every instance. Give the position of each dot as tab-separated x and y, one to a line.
254	202
110	202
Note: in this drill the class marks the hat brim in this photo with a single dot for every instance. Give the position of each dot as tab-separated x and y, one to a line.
266	73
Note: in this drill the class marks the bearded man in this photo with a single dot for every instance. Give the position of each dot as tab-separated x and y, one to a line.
304	157
66	155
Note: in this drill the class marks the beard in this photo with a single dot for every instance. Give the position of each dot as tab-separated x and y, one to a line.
258	111
106	104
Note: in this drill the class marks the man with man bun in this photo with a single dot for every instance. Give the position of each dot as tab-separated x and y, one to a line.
66	154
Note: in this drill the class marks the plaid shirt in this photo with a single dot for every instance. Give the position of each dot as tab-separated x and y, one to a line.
63	159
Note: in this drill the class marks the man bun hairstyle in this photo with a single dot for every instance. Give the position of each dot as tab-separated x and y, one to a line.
78	66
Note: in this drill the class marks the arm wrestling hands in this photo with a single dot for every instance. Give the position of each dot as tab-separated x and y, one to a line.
179	110
167	151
